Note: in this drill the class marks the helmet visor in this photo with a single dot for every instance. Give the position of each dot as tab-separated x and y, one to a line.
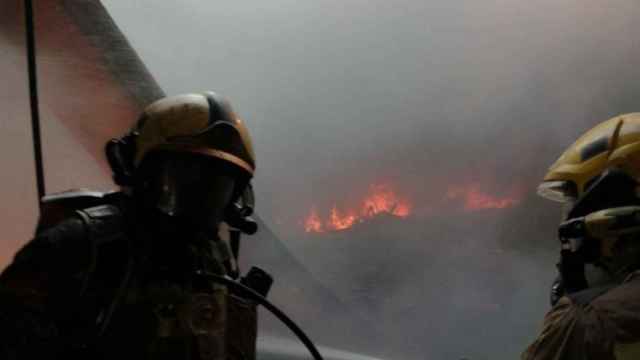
196	189
560	191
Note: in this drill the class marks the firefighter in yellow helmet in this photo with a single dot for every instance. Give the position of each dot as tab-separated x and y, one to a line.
596	298
121	275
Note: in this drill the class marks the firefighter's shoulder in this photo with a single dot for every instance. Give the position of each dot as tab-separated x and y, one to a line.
71	225
598	323
618	312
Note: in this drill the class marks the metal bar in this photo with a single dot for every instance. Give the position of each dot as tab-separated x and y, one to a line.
33	99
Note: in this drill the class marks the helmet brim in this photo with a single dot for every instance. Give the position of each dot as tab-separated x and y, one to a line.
558	191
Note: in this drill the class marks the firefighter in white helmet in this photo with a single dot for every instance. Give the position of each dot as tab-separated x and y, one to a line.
597	181
117	275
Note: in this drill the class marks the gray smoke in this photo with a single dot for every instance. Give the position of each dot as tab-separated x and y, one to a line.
341	93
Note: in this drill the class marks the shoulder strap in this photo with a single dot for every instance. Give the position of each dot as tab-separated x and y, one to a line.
104	222
59	206
107	276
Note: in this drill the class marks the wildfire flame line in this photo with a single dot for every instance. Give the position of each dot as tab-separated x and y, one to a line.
381	199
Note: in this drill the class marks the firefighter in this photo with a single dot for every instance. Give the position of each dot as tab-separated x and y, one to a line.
121	275
596	299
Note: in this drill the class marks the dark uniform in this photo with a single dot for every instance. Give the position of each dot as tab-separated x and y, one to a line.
76	291
115	276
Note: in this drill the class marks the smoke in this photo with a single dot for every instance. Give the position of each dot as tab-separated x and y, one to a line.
422	95
423	92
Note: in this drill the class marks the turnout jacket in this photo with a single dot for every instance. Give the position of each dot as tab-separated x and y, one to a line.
594	324
79	289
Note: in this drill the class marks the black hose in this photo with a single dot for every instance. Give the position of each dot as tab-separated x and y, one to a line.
234	285
33	99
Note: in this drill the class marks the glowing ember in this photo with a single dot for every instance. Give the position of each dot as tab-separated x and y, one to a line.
474	199
402	210
381	199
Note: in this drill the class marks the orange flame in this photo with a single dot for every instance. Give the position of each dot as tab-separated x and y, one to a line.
474	199
402	210
313	222
337	221
381	199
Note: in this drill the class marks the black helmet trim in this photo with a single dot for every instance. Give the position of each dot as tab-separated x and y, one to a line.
218	108
614	188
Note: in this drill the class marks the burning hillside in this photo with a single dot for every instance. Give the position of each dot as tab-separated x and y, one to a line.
380	199
383	200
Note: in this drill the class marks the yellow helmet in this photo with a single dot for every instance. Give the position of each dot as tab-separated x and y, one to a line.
202	124
612	143
197	123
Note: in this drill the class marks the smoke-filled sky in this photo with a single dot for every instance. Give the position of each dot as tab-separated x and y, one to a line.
419	93
338	95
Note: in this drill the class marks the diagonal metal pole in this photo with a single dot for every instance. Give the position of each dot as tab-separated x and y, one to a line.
33	99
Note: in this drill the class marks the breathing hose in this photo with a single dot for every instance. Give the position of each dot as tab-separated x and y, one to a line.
234	285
